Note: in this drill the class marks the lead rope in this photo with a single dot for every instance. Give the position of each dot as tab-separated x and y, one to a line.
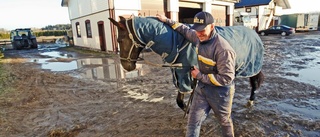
193	86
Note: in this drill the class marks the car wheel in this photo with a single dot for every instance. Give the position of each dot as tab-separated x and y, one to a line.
283	33
262	34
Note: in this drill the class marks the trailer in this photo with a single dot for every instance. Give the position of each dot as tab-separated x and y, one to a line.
307	22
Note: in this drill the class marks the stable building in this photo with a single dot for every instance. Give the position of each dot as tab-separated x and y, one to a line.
259	14
92	29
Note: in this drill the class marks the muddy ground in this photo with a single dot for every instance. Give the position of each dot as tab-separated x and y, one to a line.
89	95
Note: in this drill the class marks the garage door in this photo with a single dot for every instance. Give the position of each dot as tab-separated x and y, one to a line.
219	14
152	7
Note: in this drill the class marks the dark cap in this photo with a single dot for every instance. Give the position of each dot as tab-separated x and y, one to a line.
201	20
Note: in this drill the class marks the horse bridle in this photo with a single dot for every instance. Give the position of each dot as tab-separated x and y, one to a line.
141	44
134	44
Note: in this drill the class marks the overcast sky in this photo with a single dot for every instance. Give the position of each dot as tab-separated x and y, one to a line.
32	13
303	6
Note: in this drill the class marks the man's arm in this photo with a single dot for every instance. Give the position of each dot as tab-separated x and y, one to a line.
188	33
226	70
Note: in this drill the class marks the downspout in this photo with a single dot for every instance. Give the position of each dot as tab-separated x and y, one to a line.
271	15
258	20
113	27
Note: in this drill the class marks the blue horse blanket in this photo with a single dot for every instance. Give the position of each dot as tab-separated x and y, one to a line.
174	48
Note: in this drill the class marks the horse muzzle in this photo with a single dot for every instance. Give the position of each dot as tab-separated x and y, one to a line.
128	65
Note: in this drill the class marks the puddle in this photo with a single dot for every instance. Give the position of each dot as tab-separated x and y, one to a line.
304	68
308	75
306	109
42	46
56	54
104	68
57	66
50	46
93	68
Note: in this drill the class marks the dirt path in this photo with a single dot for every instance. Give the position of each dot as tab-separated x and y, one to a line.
38	102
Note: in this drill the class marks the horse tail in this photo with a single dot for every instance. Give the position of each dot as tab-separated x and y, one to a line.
255	82
260	79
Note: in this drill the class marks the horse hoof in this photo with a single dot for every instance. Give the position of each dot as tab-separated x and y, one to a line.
249	104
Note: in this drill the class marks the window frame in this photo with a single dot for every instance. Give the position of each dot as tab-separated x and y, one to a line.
78	29
88	29
248	10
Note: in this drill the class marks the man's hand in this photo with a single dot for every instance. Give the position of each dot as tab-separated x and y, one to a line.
162	18
194	72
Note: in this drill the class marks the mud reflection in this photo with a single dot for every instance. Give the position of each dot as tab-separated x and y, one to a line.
105	68
57	66
56	54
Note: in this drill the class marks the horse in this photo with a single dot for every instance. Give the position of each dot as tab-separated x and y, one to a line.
140	33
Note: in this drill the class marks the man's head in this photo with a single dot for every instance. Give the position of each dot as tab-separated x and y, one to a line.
203	25
201	20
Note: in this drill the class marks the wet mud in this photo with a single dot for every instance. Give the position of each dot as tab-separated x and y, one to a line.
57	91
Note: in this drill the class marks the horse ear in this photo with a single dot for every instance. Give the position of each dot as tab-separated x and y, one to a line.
122	18
119	25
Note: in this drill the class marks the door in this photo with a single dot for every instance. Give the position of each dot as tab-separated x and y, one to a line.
102	37
219	13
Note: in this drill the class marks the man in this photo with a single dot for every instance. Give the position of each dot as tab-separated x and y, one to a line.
216	73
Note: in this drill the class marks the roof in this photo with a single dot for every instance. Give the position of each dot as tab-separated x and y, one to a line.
22	29
249	3
64	3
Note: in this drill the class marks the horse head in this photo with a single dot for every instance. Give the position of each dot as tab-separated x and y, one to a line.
130	47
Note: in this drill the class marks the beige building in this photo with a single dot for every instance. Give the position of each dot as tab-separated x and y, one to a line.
92	29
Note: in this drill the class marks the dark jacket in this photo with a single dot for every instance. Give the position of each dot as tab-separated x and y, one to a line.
216	58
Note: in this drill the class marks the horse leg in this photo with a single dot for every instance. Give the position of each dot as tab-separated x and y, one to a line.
180	101
255	82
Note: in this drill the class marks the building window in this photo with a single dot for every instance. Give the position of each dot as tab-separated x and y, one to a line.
88	29
248	10
78	29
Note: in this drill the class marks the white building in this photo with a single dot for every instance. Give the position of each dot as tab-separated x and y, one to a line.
92	29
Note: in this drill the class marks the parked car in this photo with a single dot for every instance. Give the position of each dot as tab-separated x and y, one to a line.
278	29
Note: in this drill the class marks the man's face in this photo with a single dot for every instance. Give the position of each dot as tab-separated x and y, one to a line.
204	34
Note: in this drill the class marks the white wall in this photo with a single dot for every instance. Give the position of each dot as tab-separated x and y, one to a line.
79	8
93	42
127	4
99	5
95	11
73	9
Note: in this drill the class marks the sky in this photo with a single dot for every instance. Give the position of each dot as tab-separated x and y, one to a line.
303	6
40	13
32	13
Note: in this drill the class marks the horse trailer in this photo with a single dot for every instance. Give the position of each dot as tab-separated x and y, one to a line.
302	22
306	22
